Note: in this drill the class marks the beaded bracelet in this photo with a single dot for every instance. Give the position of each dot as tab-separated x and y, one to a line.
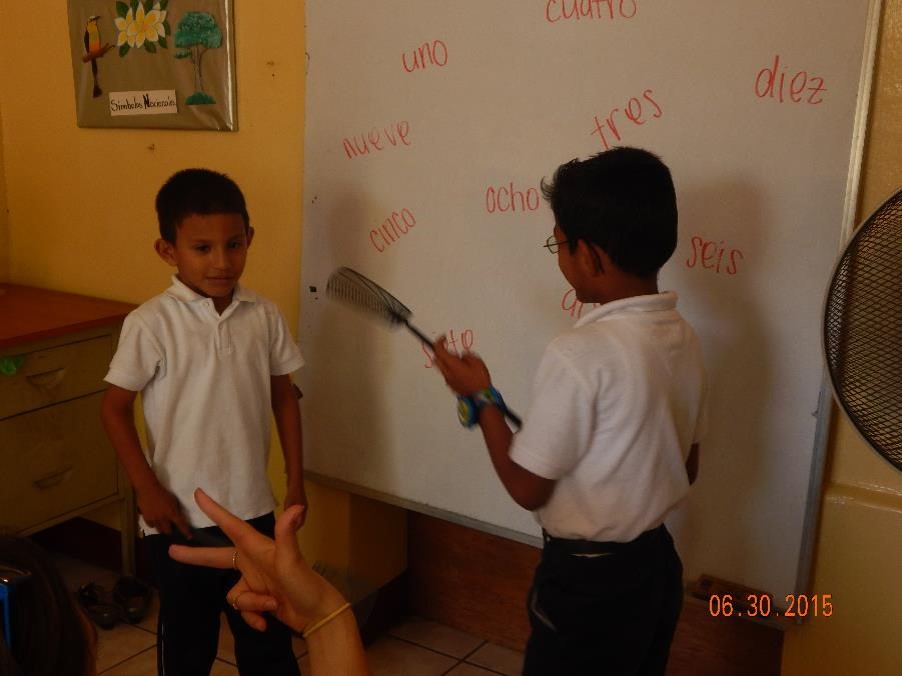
328	618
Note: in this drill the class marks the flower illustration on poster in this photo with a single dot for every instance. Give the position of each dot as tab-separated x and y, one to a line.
141	24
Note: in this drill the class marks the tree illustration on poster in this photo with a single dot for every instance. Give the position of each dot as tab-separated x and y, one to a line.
196	33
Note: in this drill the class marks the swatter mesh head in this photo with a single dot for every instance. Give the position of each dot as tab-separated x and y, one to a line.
351	287
863	330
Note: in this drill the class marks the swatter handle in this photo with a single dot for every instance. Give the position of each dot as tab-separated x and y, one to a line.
419	334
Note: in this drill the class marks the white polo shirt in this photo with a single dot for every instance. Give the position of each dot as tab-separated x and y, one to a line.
205	388
617	402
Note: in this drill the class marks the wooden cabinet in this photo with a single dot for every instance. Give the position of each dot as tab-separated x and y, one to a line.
55	460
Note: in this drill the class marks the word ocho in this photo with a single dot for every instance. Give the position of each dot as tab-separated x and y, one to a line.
637	111
710	255
800	88
392	229
555	10
506	198
433	53
466	343
377	139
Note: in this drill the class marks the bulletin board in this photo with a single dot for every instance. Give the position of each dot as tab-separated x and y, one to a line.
429	126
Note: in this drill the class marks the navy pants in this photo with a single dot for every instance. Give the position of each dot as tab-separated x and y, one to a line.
191	600
604	608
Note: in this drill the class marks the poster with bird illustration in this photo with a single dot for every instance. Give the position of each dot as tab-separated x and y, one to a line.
166	64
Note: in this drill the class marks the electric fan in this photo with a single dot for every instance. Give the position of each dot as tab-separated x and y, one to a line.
863	330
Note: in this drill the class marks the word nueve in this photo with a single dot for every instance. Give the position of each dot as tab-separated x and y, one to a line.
433	54
361	144
505	198
766	84
572	306
710	254
634	112
392	229
466	343
555	10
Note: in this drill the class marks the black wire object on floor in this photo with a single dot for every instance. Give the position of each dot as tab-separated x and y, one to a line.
863	330
354	288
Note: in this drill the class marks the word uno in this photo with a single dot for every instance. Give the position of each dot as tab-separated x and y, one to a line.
505	198
572	306
360	144
466	343
634	112
392	229
433	53
555	10
766	85
710	255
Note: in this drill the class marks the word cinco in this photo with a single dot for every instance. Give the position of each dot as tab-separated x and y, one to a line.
392	229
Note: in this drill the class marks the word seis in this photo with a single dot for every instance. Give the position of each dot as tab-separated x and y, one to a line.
572	306
376	139
801	88
506	198
555	10
710	255
392	229
466	344
636	112
433	53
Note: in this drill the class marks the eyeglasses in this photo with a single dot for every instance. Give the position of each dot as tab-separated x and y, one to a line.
9	577
552	244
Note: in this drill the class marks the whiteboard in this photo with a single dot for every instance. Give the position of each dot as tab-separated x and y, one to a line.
429	126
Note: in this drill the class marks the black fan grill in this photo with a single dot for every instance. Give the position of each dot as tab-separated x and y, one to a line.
863	330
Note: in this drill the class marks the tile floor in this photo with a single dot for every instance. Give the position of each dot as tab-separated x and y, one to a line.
415	647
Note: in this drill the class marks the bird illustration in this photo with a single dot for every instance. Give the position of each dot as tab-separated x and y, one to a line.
94	50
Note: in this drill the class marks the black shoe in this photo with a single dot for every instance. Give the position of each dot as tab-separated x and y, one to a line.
133	597
98	605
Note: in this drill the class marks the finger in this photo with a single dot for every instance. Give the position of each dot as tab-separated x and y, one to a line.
439	349
182	524
211	557
237	530
254	620
246	601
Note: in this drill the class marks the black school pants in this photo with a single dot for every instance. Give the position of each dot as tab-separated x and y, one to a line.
191	600
610	614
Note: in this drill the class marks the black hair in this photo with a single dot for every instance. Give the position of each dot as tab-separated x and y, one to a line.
197	191
48	631
622	200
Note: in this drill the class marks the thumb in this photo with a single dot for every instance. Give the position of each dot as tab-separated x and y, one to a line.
287	525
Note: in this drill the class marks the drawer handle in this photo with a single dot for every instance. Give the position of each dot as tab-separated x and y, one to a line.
49	379
53	479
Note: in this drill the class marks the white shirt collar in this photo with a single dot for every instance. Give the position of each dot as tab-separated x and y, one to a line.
180	291
655	302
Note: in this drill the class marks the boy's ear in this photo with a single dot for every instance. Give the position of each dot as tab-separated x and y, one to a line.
250	235
591	259
165	250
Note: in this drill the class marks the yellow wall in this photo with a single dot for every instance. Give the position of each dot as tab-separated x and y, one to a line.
859	549
4	229
81	215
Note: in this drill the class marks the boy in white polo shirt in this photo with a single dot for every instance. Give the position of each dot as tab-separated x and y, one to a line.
212	362
610	442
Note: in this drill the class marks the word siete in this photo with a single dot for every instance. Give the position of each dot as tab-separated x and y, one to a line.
572	306
392	229
802	87
635	112
433	53
506	198
555	10
466	344
710	255
376	139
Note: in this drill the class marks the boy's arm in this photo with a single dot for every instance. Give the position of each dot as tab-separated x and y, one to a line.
286	409
466	375
158	506
692	463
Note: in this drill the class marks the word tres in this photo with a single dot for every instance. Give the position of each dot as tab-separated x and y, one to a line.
710	255
392	229
507	198
801	88
433	53
636	112
376	139
466	344
555	10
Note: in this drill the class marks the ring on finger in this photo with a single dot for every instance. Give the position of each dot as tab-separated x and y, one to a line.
235	559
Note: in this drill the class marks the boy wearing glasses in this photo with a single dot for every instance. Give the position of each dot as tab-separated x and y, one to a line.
212	361
610	442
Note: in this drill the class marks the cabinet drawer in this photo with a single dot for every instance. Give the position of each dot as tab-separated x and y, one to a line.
55	374
54	461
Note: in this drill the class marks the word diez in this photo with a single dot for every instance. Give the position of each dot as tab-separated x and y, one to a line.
506	197
555	10
433	53
376	139
572	306
635	112
392	229
803	88
466	343
710	255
